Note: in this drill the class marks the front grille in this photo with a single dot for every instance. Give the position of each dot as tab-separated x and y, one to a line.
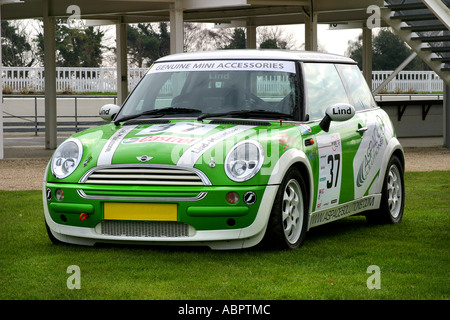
140	175
147	229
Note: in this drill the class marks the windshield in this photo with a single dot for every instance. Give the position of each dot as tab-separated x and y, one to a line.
194	88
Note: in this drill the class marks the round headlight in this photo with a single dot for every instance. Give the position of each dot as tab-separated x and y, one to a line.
66	158
244	160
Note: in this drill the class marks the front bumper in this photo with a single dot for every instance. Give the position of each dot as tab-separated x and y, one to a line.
203	216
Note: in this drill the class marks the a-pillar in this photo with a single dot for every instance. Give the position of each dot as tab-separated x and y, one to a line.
50	78
122	67
176	28
367	56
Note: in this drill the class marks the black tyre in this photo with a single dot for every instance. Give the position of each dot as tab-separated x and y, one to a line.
289	219
392	196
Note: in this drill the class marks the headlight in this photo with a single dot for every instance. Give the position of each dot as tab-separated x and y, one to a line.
244	160
66	158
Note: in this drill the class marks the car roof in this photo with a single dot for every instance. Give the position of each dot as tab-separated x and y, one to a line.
258	54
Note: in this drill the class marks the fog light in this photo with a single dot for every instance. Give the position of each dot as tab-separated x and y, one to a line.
59	194
232	197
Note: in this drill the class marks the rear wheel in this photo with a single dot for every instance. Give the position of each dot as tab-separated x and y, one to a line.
392	196
288	221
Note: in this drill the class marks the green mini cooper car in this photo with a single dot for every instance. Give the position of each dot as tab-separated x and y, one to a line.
229	149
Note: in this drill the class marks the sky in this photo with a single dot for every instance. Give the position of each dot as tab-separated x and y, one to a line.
332	41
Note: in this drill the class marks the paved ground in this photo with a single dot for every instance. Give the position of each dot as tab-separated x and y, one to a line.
26	158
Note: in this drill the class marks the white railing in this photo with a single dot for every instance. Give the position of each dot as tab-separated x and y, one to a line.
409	81
70	80
74	80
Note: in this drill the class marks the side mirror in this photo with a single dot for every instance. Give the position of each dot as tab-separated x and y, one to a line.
108	111
337	112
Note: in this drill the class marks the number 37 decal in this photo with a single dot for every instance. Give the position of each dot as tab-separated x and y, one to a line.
330	169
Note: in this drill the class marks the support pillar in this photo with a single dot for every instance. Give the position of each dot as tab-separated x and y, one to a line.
311	32
446	110
251	37
122	67
1	97
367	56
50	79
176	28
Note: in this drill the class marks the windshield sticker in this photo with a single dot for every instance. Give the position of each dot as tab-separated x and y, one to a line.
224	65
161	138
190	128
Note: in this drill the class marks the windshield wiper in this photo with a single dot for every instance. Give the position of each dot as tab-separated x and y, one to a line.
162	111
247	113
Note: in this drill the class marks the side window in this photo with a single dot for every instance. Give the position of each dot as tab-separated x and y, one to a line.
359	90
324	88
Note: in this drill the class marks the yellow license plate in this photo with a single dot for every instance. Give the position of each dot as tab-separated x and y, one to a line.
140	211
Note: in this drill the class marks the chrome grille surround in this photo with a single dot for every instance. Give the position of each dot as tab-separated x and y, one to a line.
124	197
145	175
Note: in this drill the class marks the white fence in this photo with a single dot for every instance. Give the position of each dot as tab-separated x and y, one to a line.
409	81
73	80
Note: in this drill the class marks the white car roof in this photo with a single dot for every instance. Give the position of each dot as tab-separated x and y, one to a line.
307	56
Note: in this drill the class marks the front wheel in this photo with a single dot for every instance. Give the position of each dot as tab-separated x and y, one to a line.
288	220
392	196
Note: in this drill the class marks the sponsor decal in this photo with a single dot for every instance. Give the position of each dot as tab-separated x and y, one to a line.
224	65
87	161
312	155
190	128
330	169
286	140
249	197
335	213
161	138
190	157
111	145
375	144
49	194
304	128
368	158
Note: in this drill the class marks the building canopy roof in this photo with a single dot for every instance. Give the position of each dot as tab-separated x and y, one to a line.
234	12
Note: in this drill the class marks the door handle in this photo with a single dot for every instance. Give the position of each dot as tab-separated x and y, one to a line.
362	130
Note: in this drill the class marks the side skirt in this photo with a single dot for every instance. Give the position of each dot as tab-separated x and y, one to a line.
366	203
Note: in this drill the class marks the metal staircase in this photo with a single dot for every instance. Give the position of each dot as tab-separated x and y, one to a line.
425	26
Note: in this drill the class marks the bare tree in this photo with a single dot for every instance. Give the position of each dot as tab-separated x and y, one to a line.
200	37
283	38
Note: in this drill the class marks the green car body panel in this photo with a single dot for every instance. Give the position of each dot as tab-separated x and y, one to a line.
182	161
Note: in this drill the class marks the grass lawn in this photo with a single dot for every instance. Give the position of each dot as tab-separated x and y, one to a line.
413	258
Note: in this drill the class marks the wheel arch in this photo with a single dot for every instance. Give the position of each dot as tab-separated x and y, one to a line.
394	148
297	159
401	156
